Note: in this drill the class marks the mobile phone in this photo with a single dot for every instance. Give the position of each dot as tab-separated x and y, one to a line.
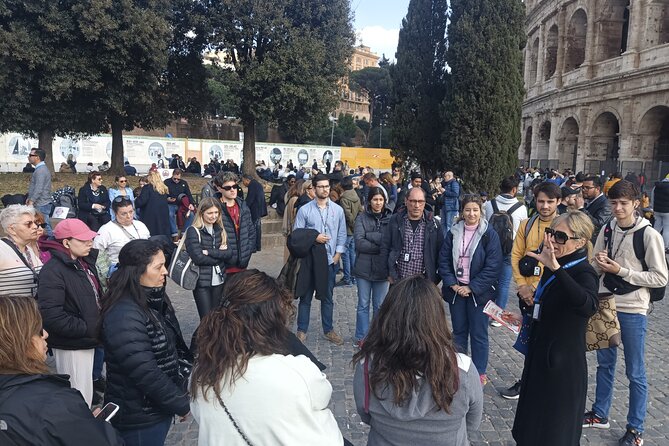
108	412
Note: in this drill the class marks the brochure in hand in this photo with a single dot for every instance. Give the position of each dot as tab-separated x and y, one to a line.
495	312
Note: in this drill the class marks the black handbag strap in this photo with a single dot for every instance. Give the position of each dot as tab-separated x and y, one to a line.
234	423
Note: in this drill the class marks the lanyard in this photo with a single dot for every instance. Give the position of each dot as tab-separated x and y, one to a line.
324	220
542	286
125	231
464	253
613	233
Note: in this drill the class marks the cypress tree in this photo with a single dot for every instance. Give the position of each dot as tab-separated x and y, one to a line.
418	80
482	108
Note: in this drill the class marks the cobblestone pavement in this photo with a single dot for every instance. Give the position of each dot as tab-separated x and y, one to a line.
504	368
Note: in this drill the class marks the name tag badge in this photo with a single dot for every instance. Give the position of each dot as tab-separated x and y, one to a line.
535	313
460	272
537	271
407	257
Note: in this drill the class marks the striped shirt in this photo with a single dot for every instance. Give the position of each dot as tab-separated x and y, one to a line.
16	279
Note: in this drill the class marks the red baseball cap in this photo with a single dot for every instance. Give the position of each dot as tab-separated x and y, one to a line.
73	228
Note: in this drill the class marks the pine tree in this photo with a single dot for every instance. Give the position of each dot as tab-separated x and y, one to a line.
419	84
482	108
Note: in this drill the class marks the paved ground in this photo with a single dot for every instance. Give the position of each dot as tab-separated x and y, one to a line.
504	367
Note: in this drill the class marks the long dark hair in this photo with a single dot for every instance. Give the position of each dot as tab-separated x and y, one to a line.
252	319
411	338
133	260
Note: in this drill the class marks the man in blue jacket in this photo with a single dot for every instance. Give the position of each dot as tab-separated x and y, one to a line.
451	201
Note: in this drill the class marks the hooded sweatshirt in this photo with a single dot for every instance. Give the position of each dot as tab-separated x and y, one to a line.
504	202
419	421
622	251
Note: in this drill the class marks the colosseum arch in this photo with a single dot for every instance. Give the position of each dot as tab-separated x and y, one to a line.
604	144
654	134
527	147
533	62
550	63
576	38
568	144
544	140
613	29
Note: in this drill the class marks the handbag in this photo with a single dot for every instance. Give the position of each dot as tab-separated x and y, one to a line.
603	328
182	269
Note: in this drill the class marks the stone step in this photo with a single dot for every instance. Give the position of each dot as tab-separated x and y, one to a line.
272	226
273	240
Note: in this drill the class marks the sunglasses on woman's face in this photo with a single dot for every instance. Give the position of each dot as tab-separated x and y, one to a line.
560	237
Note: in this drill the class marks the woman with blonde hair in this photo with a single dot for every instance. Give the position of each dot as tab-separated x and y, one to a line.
207	246
246	386
37	407
152	202
555	375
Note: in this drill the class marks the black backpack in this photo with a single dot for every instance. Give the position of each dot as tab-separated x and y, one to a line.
656	294
502	223
65	197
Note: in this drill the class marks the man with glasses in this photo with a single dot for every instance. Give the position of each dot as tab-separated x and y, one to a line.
597	207
39	191
177	188
413	240
328	219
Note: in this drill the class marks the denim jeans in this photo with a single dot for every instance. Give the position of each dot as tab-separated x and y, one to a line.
327	305
447	218
98	362
173	208
153	435
469	324
633	334
46	209
504	281
376	290
662	225
348	259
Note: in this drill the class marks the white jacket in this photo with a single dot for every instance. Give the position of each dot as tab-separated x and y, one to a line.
622	250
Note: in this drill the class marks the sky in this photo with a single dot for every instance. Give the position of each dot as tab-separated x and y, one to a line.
377	24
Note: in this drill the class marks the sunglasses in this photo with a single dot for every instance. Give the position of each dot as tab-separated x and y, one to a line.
228	188
560	237
121	199
30	224
122	181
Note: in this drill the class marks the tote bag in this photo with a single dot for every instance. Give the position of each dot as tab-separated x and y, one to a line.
182	269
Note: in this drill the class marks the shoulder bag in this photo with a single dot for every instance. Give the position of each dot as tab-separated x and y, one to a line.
182	269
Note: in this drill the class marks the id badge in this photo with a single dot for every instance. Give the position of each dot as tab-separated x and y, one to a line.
537	271
460	272
407	256
535	313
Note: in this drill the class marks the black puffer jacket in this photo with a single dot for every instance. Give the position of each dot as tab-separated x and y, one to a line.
368	234
240	247
43	410
141	355
195	245
67	301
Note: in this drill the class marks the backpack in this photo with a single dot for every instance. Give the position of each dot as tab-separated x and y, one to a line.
65	197
656	294
502	223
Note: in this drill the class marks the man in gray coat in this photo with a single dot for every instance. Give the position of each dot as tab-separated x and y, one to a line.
39	191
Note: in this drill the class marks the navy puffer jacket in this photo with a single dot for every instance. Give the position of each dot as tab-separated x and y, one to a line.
142	361
195	245
368	233
240	247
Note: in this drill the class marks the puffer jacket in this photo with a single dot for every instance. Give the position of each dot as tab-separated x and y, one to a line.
240	247
67	300
142	361
43	410
368	234
195	245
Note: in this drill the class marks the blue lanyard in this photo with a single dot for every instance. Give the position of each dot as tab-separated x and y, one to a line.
542	286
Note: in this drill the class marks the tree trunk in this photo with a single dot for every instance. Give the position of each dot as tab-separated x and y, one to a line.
117	145
249	148
45	143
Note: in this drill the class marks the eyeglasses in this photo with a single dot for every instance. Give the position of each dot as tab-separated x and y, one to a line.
122	181
588	187
228	188
323	187
121	199
40	225
31	154
560	237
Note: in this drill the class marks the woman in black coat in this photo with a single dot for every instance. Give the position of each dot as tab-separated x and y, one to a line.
555	377
207	246
37	407
152	203
371	262
143	344
93	202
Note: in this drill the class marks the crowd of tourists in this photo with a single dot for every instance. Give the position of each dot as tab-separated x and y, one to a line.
86	322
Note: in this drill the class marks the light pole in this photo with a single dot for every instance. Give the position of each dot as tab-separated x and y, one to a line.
333	120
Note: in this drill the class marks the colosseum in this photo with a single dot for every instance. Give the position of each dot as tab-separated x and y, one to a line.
597	83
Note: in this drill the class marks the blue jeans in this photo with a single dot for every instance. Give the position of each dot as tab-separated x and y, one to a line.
504	281
147	436
633	334
46	209
98	362
327	305
469	323
173	220
447	218
377	290
348	259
